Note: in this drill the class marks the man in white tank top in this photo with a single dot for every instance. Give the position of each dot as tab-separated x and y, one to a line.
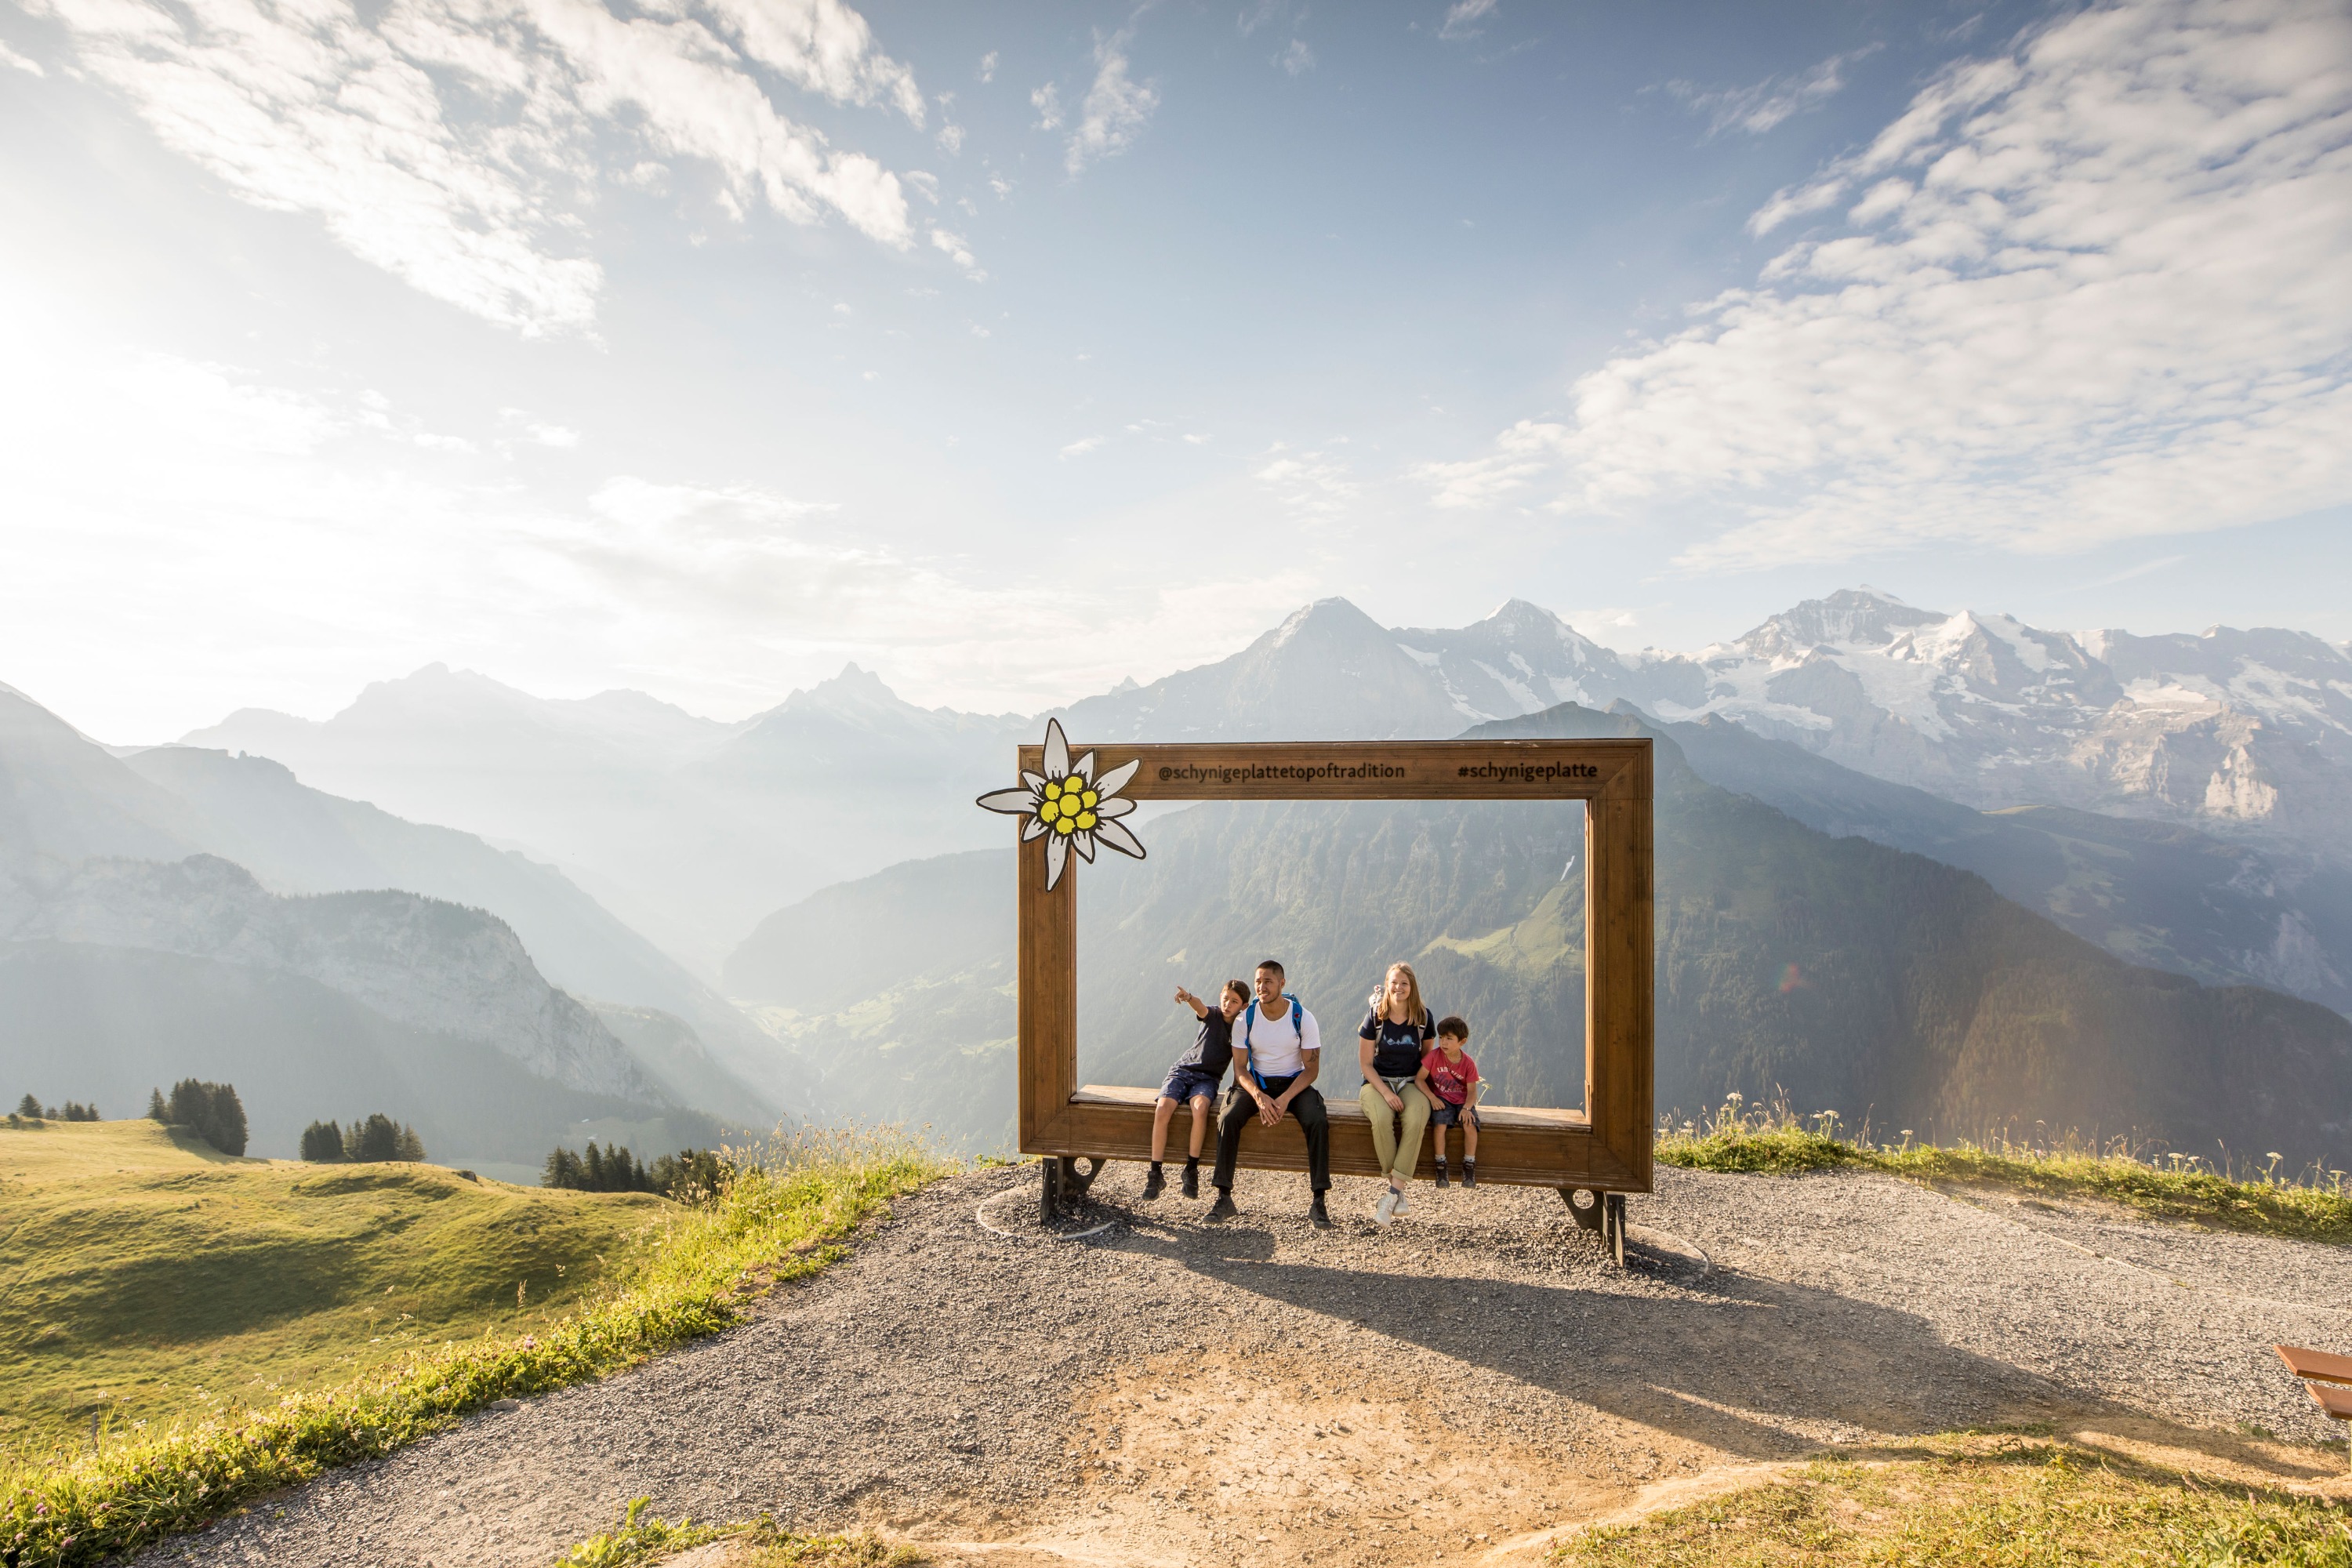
1277	1052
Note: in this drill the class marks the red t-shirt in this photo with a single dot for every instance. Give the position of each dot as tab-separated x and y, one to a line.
1452	1080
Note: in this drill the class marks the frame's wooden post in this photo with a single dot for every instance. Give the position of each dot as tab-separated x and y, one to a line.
1619	987
1048	1004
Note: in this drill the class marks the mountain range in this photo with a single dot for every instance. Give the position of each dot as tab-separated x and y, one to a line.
2174	801
1845	973
180	912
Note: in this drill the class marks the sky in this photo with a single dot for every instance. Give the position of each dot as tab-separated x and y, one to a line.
699	346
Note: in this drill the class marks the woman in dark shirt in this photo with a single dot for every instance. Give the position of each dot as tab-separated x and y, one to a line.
1394	1034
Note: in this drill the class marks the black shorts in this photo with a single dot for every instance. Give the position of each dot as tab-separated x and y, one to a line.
1443	1115
1190	1082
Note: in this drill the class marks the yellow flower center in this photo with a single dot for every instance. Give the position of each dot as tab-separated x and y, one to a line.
1087	799
1085	819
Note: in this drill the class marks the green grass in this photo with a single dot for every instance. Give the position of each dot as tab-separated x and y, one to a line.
637	1538
2316	1207
688	1275
2000	1502
144	1277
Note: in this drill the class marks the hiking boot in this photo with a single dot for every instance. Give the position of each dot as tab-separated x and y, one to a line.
1318	1212
1384	1211
1440	1174
1191	1181
1469	1173
1223	1207
1154	1185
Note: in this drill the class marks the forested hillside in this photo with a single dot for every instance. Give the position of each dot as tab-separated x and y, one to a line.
1845	973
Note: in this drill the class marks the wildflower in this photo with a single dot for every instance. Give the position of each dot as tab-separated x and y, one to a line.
1069	807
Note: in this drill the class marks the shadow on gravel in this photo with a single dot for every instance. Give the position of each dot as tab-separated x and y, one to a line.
1734	1362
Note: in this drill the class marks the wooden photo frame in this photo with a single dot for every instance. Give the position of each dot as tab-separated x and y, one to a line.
1603	1149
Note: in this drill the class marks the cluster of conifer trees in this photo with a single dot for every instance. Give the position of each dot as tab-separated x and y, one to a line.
29	1109
691	1175
377	1139
211	1110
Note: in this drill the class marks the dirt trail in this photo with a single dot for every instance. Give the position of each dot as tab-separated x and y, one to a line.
1467	1384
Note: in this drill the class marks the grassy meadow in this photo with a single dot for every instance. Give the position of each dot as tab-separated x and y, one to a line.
2314	1205
145	1278
667	1273
1980	1499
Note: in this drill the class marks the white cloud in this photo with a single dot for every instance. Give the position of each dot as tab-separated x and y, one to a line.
559	436
950	139
9	56
1309	485
1461	18
988	65
1047	101
1295	58
823	46
449	142
1079	448
1757	109
956	250
2091	290
1116	110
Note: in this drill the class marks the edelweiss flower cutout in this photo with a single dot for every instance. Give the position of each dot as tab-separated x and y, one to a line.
1069	805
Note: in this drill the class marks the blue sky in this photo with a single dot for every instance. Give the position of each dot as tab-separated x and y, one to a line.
698	345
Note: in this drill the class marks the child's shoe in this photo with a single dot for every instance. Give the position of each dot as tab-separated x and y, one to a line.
1469	1173
1155	1184
1440	1174
1192	1178
1384	1211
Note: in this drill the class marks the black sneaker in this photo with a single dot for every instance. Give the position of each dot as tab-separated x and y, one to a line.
1223	1207
1191	1181
1440	1173
1469	1173
1155	1184
1318	1212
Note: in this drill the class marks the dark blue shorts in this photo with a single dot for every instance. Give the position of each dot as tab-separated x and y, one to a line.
1185	1083
1443	1115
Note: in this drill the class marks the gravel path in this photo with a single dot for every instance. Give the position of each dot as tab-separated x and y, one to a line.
1166	1390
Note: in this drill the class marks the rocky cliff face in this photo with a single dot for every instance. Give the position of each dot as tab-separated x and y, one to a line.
435	966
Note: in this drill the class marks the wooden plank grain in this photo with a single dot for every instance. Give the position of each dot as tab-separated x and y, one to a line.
2320	1366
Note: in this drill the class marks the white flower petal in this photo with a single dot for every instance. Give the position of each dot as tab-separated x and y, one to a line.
1084	842
1057	856
1011	801
1115	808
1112	781
1115	836
1086	769
1057	751
1031	828
1034	781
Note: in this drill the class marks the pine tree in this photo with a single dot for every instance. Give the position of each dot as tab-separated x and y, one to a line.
30	1107
563	1169
407	1145
212	1111
375	1139
593	1167
156	1110
322	1142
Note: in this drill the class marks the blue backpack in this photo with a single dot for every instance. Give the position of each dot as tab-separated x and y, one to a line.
1249	1017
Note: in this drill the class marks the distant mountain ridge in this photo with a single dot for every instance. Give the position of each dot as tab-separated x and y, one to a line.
1848	974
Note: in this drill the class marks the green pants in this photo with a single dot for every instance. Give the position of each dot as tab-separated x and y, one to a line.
1398	1154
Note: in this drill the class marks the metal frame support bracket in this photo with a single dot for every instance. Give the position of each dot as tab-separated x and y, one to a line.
1600	1212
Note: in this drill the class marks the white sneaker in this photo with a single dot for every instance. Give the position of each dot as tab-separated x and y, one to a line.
1398	1202
1384	1212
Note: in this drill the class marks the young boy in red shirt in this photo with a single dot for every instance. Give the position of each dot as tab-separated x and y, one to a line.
1448	1076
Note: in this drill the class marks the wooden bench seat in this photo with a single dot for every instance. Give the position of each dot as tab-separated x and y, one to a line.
2316	1366
1517	1144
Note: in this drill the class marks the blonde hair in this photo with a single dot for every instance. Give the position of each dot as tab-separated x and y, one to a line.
1416	1011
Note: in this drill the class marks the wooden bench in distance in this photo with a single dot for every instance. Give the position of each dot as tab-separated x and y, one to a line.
1516	1145
2326	1377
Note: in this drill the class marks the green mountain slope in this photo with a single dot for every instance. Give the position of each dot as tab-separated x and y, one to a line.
1848	974
108	1024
